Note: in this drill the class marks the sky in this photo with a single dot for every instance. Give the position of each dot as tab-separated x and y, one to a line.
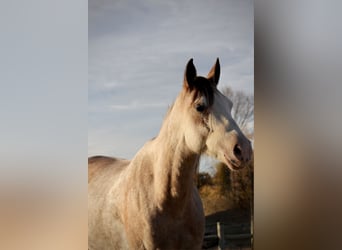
138	51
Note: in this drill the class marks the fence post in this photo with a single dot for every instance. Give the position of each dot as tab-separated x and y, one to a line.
220	234
252	231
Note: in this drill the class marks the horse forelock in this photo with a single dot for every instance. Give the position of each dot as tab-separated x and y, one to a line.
203	87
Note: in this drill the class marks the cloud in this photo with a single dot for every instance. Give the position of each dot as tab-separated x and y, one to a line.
138	51
136	105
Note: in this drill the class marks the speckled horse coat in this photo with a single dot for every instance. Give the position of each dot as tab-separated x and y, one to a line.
151	202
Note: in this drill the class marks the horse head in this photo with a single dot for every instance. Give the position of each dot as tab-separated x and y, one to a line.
209	127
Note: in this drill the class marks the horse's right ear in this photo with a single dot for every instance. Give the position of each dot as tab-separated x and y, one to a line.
190	75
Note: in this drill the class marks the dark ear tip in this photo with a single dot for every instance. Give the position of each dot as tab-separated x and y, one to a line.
217	60
190	65
191	61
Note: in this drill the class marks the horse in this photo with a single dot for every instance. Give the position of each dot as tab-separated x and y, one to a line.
151	201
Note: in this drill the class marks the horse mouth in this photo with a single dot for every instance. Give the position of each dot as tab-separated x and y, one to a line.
232	163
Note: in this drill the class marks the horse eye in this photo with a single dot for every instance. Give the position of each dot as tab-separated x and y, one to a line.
200	107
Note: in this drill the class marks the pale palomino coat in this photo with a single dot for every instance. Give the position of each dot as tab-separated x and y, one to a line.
151	202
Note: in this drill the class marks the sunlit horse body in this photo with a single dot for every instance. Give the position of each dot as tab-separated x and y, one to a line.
151	202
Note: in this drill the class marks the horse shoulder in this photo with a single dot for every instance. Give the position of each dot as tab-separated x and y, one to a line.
105	227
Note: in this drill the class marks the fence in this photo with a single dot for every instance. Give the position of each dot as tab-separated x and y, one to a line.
228	236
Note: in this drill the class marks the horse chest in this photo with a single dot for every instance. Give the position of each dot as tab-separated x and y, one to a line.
185	232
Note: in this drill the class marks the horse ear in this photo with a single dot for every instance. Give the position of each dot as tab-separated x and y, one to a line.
190	75
214	74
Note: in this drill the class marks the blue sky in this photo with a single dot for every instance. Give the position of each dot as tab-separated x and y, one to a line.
137	54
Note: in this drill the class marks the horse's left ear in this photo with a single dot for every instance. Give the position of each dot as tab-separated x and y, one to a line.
214	74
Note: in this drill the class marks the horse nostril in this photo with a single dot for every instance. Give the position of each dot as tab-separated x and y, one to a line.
237	151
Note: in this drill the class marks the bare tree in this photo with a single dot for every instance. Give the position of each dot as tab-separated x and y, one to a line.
242	181
243	107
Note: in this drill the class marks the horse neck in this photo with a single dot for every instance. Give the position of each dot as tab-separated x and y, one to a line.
175	166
